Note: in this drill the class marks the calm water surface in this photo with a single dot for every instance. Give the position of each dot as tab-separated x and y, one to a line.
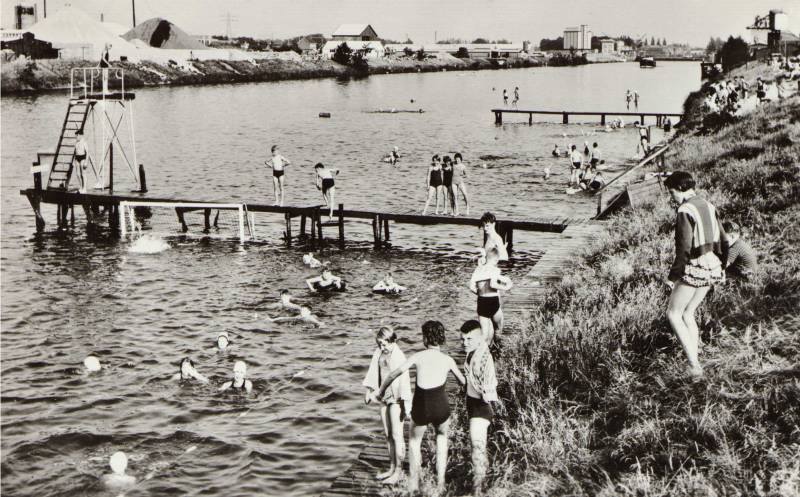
65	294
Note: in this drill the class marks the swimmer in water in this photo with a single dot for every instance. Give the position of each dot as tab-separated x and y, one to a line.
546	173
188	371
486	283
393	156
556	151
311	261
117	479
305	316
388	285
395	403
92	364
494	243
286	302
239	381
223	341
324	280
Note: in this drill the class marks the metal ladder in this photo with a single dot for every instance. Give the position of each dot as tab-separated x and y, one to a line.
61	172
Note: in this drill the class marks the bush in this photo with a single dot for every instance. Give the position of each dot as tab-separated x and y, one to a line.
342	54
408	52
733	53
420	54
462	53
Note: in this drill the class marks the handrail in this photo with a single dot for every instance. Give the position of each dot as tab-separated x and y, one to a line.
87	80
644	161
588	113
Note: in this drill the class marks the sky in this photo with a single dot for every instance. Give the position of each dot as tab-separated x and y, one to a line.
424	21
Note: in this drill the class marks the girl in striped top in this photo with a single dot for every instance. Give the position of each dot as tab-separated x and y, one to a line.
701	249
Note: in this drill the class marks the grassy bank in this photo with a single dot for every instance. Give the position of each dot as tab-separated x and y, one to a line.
42	75
595	392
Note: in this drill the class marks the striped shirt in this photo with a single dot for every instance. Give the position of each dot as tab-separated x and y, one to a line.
697	232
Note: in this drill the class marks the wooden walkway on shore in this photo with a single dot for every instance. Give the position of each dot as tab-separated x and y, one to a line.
565	114
359	479
311	216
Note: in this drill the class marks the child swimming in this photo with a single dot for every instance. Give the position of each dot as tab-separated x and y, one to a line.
310	261
286	303
430	405
117	479
388	285
324	281
239	381
187	371
396	401
305	316
223	341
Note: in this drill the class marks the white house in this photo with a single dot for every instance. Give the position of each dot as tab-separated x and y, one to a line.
370	49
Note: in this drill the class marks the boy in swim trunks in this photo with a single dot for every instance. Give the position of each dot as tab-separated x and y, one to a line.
576	158
430	404
486	282
481	391
493	242
326	183
81	152
277	163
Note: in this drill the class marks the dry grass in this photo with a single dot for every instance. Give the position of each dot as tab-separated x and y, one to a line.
596	401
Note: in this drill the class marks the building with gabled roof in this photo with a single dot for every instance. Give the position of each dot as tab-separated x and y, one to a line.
369	49
355	32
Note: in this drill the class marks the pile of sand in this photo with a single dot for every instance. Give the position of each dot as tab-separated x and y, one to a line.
160	33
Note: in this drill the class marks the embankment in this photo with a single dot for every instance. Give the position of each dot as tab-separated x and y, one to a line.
595	392
31	76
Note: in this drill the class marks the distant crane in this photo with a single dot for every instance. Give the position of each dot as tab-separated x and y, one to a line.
228	20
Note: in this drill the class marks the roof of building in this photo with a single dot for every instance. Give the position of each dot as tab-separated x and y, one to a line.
351	29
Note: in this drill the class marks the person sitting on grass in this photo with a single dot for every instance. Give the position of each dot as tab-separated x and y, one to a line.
305	316
388	285
742	261
701	251
481	392
396	401
324	281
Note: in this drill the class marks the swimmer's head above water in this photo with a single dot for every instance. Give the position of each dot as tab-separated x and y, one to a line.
118	463
187	368
305	312
239	371
223	340
92	364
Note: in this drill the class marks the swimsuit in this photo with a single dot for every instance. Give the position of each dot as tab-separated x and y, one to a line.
80	157
327	184
430	406
436	178
488	306
479	408
277	173
448	177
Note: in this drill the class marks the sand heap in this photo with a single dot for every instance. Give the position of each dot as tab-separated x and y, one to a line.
160	33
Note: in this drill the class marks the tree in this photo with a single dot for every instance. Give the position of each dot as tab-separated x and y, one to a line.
342	54
408	52
714	45
462	53
734	52
652	41
664	41
480	40
421	54
547	44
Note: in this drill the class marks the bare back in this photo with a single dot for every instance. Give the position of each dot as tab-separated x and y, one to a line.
432	367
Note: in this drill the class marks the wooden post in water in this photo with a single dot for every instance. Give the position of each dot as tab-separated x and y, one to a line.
510	238
35	202
110	168
142	180
206	220
641	119
498	117
72	214
302	226
530	119
602	119
288	217
386	229
341	226
564	118
319	226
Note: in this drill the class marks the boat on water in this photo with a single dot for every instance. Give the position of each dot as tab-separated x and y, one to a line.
647	62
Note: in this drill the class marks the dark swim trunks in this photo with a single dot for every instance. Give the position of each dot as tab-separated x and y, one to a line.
479	408
80	157
488	306
430	406
327	184
277	173
576	165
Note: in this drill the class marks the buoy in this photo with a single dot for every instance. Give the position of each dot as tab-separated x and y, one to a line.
324	114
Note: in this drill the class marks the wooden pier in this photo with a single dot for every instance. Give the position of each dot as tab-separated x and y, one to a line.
310	216
359	479
565	115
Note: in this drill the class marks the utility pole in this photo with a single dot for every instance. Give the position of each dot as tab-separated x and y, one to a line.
133	10
45	8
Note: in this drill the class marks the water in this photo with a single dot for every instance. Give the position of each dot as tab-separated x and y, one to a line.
141	307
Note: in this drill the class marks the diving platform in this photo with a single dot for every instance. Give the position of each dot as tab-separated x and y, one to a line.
566	114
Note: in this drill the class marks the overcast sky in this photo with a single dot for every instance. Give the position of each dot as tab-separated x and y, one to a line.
690	21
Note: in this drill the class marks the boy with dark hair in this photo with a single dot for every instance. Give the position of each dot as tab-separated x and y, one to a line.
742	260
494	242
481	390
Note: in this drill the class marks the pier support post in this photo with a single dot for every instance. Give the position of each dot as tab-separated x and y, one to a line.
386	229
36	206
602	119
319	227
142	180
509	238
206	220
72	215
649	140
341	226
530	119
111	167
113	218
641	119
564	118
376	231
498	117
288	218
302	226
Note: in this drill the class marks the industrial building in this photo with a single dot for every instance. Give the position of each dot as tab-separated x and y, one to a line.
579	38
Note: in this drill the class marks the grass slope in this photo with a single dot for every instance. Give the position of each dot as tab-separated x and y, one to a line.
596	400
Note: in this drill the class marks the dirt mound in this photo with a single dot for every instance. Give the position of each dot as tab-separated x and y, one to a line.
160	33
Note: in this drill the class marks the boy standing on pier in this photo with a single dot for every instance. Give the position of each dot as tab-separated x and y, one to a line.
81	152
481	390
277	163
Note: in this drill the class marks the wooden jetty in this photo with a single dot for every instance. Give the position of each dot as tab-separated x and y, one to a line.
359	479
565	115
